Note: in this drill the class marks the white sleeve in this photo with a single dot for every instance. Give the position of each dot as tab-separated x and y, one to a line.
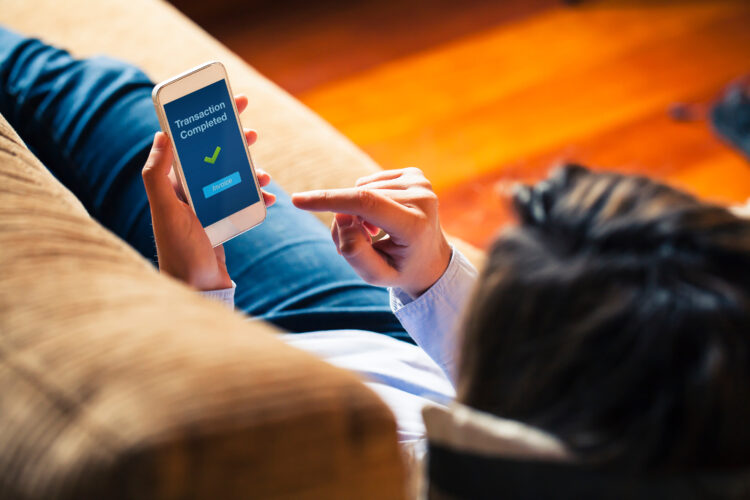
225	295
432	318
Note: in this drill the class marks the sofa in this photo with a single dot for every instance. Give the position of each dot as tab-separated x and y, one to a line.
118	382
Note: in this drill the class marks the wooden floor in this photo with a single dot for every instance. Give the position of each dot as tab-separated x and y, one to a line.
483	94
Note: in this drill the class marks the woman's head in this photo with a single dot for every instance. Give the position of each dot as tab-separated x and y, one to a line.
617	316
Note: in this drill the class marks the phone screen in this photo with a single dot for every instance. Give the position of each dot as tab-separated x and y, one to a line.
212	153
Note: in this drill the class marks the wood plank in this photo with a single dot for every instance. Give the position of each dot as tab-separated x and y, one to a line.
301	45
481	94
685	155
467	109
592	84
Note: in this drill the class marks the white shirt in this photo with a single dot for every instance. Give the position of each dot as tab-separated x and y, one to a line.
405	376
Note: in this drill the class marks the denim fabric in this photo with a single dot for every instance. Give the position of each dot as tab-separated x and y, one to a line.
91	122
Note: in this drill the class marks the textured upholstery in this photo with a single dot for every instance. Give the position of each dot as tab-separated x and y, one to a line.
117	382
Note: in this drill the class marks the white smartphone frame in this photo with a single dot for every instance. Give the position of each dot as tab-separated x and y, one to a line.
180	86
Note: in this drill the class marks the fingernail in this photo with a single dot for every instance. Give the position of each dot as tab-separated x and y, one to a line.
305	195
159	139
344	220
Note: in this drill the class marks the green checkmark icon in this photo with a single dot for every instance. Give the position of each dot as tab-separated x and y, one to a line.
212	159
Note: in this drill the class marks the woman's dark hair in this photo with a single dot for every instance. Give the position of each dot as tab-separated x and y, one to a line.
616	316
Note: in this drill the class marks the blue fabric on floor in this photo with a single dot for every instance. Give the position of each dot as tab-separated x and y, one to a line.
730	117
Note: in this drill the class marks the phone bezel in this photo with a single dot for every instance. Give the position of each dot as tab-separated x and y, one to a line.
180	86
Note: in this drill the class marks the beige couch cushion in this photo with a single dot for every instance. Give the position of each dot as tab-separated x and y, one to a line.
117	382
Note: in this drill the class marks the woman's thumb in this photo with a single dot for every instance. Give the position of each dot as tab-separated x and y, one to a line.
355	245
156	173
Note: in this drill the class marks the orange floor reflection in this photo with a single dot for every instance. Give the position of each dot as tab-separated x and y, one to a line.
487	106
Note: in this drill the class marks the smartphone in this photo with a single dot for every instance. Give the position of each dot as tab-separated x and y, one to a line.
212	161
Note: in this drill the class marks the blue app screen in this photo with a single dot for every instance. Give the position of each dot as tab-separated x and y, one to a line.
212	153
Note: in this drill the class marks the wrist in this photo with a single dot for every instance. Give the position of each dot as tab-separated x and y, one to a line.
438	268
203	282
218	283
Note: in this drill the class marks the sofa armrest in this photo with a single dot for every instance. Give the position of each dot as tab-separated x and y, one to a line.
118	382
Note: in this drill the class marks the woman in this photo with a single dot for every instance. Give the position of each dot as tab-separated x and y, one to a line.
614	316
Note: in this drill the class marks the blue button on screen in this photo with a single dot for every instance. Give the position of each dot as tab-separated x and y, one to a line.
221	185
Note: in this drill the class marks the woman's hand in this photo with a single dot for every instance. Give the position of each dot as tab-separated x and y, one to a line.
413	255
183	248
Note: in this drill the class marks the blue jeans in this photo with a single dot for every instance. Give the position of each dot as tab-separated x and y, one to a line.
91	122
